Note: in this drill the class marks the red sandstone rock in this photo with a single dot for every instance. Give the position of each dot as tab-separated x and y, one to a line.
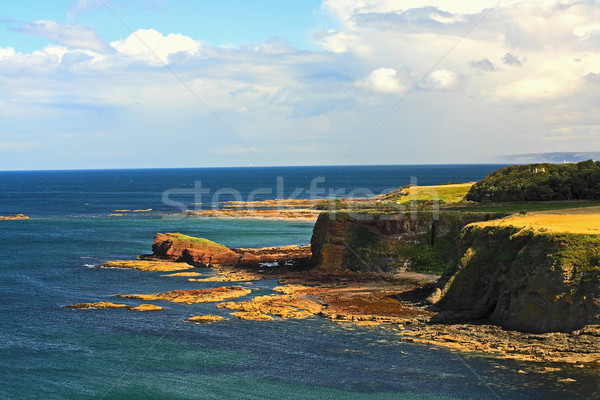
180	247
176	246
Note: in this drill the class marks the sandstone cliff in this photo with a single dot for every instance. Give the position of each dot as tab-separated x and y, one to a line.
376	242
524	280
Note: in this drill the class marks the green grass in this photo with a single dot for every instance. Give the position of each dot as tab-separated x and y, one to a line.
580	251
453	193
196	242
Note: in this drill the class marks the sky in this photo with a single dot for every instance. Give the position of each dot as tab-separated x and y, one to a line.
175	83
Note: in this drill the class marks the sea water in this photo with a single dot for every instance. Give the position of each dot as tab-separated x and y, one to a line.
48	261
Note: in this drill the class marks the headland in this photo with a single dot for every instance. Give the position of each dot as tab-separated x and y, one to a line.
515	279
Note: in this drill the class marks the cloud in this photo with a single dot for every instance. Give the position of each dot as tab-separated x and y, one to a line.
510	59
350	11
593	77
154	48
483	65
276	96
338	42
7	52
587	31
442	79
531	89
384	80
71	36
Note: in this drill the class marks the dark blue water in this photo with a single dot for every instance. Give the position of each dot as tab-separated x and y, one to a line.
47	351
77	193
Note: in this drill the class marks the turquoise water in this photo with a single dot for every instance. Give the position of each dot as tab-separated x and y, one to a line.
49	352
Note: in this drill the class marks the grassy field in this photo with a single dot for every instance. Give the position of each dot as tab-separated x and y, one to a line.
451	193
574	220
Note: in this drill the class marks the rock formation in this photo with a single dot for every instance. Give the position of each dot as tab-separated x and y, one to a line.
178	247
387	243
524	280
193	296
148	265
13	217
205	319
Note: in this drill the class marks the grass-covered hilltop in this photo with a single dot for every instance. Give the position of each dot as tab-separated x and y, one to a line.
540	182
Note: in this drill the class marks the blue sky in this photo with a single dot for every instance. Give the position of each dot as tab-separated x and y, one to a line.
173	83
214	22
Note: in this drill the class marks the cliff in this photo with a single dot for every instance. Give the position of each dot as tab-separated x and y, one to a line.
522	278
388	243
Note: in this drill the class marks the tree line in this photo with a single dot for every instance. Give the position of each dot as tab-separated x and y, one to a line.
540	182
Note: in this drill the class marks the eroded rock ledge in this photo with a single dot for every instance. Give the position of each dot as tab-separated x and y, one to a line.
193	296
107	304
198	251
13	217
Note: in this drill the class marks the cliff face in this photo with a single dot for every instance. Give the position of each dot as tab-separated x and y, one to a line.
531	282
386	242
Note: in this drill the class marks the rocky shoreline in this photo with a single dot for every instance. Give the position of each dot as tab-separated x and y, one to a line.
403	302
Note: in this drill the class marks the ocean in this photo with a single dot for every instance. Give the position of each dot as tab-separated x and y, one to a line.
48	261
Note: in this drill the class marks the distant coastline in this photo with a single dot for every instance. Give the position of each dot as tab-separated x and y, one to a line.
554	157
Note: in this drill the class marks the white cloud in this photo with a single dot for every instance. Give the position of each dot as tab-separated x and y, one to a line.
442	79
383	80
586	31
72	36
7	52
545	57
338	42
155	48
